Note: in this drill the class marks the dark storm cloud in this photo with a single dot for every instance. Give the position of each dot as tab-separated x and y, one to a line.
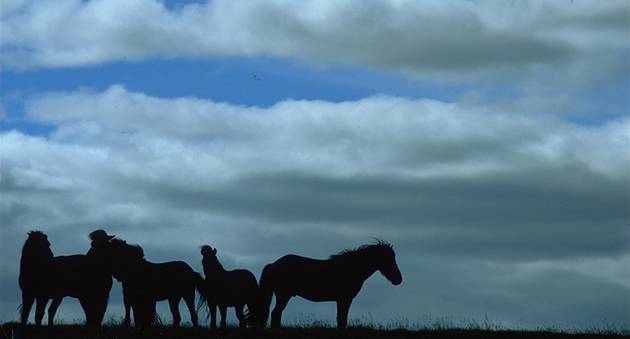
535	214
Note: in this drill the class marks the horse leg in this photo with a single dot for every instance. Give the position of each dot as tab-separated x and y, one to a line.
223	310
343	306
52	310
242	321
190	302
27	303
213	315
127	321
40	308
143	311
100	307
276	314
87	307
173	303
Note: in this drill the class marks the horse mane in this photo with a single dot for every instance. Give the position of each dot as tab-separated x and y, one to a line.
135	249
348	253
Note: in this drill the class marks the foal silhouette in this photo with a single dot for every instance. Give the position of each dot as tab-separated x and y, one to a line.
145	283
338	278
235	288
44	277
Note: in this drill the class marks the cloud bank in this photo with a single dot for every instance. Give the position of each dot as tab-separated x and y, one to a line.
484	207
443	39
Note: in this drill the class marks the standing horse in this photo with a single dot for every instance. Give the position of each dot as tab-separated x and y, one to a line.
44	277
235	288
338	278
35	266
145	283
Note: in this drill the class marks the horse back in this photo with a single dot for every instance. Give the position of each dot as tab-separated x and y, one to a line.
171	268
245	278
313	279
233	288
299	263
165	276
159	281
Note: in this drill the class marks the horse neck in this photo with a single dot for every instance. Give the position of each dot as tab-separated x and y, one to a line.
213	270
43	256
129	267
358	264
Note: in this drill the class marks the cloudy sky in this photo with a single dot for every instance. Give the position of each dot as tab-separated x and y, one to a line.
488	141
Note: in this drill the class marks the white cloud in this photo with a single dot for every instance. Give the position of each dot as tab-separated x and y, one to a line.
457	39
452	185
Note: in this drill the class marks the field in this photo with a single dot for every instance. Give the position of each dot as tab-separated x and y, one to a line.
13	331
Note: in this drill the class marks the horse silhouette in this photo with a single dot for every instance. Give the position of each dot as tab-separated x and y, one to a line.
145	283
44	277
235	288
338	278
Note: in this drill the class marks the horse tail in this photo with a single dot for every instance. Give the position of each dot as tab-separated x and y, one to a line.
251	288
265	294
157	320
20	310
200	285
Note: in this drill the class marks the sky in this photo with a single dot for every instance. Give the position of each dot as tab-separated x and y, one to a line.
488	141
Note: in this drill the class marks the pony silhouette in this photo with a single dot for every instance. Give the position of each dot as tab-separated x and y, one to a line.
235	288
338	279
44	277
145	283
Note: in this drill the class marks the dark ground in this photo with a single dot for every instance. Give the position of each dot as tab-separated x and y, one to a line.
13	331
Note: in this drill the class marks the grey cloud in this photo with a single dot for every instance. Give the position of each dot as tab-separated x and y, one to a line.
468	197
416	38
441	39
476	289
523	217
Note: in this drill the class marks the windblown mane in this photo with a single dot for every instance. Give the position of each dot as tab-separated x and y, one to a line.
347	253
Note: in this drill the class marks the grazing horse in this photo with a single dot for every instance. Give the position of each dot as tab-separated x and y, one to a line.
235	288
44	277
338	278
145	283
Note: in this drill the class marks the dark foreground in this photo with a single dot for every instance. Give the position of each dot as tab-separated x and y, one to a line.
14	331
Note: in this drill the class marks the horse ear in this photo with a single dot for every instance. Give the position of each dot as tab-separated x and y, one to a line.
214	251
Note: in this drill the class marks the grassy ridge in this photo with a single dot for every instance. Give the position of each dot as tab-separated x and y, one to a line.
14	331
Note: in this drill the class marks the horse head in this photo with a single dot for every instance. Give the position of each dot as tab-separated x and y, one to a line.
124	257
100	245
385	259
100	238
207	250
37	246
99	256
210	261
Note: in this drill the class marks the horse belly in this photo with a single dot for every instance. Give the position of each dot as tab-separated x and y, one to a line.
317	297
318	292
317	289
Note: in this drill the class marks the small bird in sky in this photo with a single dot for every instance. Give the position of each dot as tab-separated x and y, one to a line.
255	76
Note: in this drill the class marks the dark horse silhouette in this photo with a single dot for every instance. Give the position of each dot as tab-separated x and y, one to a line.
338	278
145	283
44	277
225	289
